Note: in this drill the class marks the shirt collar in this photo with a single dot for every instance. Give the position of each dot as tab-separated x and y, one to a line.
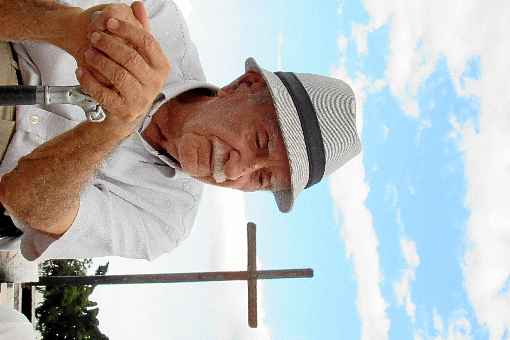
167	93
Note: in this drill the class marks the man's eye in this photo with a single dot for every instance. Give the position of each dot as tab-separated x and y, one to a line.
264	179
261	179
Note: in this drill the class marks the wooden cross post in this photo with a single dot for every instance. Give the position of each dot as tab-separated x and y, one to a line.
252	275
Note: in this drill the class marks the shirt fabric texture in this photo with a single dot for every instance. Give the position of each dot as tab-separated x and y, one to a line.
138	204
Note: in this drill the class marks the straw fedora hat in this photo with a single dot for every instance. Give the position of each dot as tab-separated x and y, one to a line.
317	118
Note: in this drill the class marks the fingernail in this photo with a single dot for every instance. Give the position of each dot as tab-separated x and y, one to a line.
95	37
113	23
95	15
79	72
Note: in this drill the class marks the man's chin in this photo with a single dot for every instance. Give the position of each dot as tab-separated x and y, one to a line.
206	179
211	181
192	172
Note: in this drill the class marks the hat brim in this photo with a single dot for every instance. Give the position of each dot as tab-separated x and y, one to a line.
290	127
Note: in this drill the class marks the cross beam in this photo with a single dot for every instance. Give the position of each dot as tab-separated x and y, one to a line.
251	276
169	278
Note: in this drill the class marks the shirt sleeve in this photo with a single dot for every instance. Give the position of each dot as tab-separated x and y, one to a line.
130	219
109	225
170	29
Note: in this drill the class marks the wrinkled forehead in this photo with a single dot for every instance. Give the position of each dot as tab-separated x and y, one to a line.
282	180
282	177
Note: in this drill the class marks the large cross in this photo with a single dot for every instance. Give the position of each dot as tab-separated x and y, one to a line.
252	275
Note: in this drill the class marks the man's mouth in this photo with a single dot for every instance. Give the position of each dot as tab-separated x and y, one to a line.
218	162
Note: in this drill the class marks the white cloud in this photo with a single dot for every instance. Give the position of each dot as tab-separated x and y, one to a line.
456	133
340	7
359	33
424	124
221	47
386	132
391	194
422	32
185	7
279	51
189	311
402	288
399	220
458	328
437	321
349	191
343	43
418	336
486	265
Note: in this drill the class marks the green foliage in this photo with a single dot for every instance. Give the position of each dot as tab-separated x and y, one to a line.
66	312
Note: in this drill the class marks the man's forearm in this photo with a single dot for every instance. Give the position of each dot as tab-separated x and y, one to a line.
36	20
44	189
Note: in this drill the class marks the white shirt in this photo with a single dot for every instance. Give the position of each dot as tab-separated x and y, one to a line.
137	205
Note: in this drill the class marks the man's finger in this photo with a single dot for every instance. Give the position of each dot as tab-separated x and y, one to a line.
121	78
143	41
96	21
123	55
103	95
140	13
120	12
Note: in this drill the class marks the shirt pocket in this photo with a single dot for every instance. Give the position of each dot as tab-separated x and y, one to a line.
45	124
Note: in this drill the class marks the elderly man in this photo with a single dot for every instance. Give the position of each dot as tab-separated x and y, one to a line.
130	186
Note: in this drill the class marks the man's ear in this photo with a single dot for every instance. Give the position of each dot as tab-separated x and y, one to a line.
249	78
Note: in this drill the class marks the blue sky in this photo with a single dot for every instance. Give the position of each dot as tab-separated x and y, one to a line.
404	157
407	241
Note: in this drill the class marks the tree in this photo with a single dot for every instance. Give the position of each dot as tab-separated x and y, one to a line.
66	311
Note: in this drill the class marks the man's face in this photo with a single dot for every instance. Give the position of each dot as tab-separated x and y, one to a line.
235	141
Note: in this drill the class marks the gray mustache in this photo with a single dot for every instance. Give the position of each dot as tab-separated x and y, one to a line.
218	160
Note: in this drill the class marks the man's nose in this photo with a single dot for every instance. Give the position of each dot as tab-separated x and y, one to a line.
237	167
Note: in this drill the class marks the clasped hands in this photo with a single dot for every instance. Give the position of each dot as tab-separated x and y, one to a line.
120	63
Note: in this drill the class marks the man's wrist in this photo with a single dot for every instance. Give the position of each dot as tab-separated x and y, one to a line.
63	35
117	128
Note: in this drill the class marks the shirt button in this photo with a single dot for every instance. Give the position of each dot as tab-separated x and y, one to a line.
34	119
